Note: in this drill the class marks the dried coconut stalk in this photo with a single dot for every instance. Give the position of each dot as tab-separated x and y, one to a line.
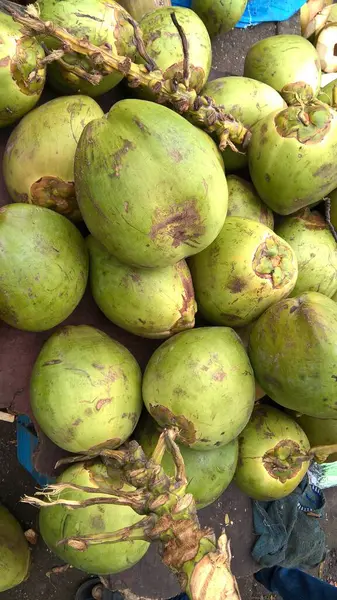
200	110
170	516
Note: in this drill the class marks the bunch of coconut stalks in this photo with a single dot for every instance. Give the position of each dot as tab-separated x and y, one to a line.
319	25
201	564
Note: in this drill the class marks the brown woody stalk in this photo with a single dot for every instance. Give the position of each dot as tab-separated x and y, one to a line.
190	551
201	110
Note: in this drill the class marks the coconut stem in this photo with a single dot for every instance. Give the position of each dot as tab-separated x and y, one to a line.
321	453
190	551
201	110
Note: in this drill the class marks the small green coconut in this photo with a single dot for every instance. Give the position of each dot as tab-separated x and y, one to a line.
316	251
293	349
246	269
218	16
22	75
14	552
201	381
273	455
43	267
248	101
59	522
38	164
282	60
209	473
152	303
85	390
163	44
104	24
243	201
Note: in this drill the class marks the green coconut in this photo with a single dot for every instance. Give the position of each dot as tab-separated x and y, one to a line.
248	101
151	186
39	157
85	390
293	351
218	16
14	552
243	201
104	24
281	60
208	473
292	156
201	381
22	76
320	432
153	303
316	251
43	267
245	270
59	522
163	44
333	208
272	455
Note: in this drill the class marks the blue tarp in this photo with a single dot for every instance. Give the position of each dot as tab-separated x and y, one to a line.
260	11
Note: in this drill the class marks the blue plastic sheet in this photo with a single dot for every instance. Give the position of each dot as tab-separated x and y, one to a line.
261	11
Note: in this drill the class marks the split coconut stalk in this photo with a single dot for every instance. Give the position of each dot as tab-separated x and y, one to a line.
138	8
190	551
200	110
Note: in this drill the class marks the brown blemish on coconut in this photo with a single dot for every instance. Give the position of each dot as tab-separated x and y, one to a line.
285	460
237	285
97	523
77	422
98	366
180	223
4	61
219	376
102	402
52	362
165	418
117	157
312	220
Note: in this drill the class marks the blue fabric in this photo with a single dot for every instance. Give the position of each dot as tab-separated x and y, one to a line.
260	11
293	584
289	531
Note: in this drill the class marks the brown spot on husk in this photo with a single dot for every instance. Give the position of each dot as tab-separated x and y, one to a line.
77	422
102	402
180	223
54	193
165	418
97	523
176	155
4	61
284	461
237	285
219	376
117	157
312	220
98	366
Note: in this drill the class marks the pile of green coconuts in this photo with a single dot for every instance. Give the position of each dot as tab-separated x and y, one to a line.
243	239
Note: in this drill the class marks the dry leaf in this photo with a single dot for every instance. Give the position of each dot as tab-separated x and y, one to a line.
31	536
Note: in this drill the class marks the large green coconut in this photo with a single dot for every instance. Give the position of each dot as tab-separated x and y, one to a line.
316	251
243	201
246	269
293	349
248	101
22	76
201	381
282	60
273	455
219	16
163	44
85	390
59	522
208	473
104	24
43	267
39	157
151	186
153	303
14	552
292	156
